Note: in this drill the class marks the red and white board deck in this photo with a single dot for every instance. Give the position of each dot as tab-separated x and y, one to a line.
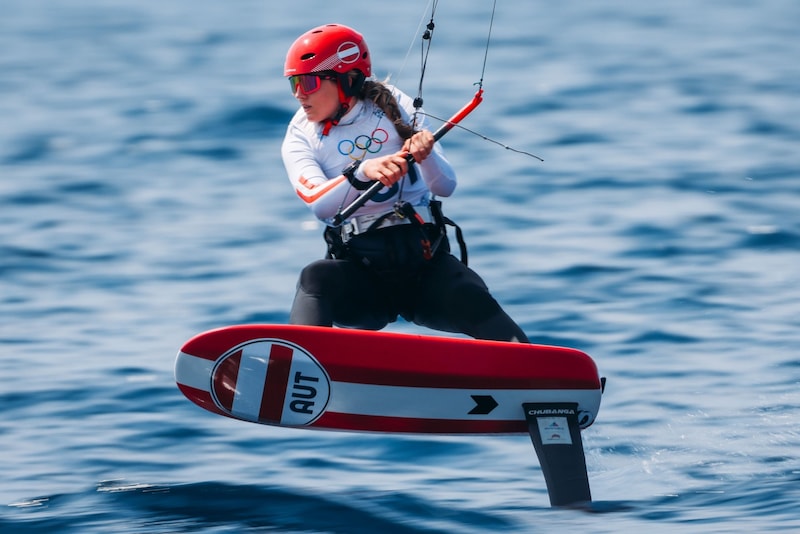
339	379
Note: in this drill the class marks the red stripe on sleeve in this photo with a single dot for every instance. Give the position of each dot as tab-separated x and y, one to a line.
314	192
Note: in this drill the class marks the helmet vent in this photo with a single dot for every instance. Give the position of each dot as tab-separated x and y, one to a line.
308	56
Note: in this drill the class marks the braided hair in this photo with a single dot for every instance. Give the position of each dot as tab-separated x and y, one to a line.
382	96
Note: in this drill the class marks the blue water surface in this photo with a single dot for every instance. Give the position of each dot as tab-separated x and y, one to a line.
143	200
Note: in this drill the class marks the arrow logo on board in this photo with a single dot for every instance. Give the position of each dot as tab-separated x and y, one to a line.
484	404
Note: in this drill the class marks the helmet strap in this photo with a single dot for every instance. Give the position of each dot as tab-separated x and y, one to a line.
352	85
344	105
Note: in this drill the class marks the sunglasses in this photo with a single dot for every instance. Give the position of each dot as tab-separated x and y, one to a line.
308	83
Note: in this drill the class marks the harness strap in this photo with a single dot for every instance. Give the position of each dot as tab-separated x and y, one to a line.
406	210
440	221
337	248
462	245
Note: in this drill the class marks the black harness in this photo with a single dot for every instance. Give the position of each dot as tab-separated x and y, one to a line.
432	234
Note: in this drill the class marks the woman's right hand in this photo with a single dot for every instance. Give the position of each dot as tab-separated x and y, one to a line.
386	169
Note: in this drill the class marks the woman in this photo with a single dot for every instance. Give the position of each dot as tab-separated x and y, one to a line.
391	257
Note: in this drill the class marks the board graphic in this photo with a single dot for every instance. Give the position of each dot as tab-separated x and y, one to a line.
338	379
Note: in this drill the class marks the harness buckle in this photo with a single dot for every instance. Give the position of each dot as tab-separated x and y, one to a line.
405	210
401	209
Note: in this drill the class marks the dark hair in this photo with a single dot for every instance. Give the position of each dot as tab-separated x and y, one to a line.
382	96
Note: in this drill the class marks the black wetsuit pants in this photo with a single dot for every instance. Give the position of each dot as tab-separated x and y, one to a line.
441	293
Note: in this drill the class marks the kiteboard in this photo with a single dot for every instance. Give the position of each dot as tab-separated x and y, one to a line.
354	380
339	379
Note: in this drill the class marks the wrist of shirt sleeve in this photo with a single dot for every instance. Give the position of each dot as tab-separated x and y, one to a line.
355	175
360	176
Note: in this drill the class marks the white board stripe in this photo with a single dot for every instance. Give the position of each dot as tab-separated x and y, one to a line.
378	400
250	381
193	371
445	403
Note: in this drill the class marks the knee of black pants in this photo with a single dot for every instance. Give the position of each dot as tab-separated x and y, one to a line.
327	293
474	303
483	318
319	277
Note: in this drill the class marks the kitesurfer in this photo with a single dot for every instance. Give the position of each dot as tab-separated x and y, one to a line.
392	256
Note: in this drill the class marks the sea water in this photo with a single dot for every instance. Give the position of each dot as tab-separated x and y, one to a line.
143	200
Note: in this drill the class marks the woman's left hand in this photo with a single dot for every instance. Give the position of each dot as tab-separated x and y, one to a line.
389	169
419	145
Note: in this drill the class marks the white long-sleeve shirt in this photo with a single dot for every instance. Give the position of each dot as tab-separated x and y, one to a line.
314	163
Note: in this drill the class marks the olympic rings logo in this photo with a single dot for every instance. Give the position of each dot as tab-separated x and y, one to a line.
359	147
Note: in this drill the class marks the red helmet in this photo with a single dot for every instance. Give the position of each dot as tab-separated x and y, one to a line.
332	47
